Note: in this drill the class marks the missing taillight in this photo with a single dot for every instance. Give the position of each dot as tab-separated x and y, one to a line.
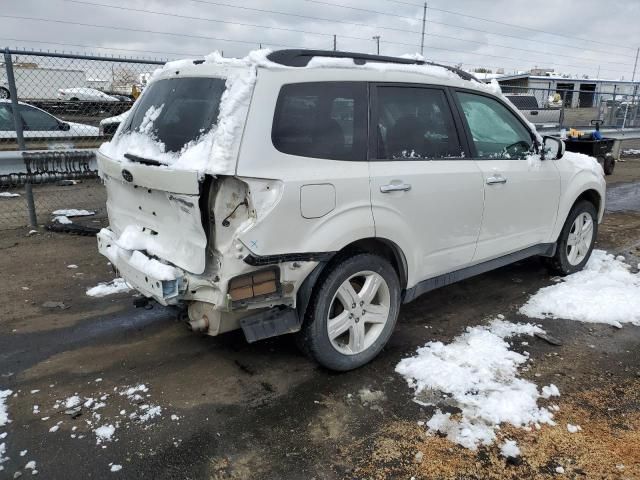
254	285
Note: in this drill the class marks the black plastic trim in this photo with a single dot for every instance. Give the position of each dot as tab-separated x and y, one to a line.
270	323
257	260
543	249
302	57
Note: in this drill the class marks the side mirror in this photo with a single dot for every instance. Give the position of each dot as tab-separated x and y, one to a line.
552	148
65	127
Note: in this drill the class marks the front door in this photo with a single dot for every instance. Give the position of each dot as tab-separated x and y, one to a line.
521	192
426	196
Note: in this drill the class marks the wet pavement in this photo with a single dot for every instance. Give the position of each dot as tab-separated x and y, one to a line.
623	197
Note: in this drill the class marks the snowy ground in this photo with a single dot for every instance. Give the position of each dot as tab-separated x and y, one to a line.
228	409
477	372
606	291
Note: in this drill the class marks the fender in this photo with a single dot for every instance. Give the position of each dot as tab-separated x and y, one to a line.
579	183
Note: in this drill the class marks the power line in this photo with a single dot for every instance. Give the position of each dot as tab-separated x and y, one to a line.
308	17
449	25
510	24
204	19
527	39
386	14
170	14
527	28
67	22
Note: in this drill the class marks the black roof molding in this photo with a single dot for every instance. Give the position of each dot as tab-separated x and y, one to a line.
301	58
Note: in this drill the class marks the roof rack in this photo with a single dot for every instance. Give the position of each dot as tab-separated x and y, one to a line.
302	57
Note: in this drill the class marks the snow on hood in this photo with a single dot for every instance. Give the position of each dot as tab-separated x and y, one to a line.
215	152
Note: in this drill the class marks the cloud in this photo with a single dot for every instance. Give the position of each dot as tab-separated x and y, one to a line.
450	38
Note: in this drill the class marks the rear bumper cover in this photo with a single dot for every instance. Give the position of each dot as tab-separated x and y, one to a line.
165	292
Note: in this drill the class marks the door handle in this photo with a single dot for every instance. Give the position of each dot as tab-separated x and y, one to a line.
395	187
496	179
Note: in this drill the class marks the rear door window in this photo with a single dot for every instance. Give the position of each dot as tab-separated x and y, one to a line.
37	120
414	123
322	120
177	111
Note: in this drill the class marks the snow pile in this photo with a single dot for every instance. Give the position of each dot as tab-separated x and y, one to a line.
62	219
117	285
626	151
606	291
104	433
131	242
115	468
151	267
4	415
478	372
4	419
9	194
73	212
510	449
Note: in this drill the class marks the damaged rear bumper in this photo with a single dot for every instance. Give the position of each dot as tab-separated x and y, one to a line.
165	291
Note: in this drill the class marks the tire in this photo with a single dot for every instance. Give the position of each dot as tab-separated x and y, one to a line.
364	334
608	165
4	94
572	258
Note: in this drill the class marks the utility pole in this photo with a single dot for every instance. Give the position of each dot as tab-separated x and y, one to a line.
334	43
377	39
424	24
633	77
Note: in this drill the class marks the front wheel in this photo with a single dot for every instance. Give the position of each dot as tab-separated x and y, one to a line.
576	240
352	312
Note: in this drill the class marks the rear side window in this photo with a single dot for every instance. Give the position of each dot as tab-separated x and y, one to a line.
177	111
415	123
496	132
322	120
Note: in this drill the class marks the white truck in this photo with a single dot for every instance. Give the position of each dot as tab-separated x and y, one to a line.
40	83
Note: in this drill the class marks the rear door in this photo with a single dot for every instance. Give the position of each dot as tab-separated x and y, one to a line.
521	193
426	195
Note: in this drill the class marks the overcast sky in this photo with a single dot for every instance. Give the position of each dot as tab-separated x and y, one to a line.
450	38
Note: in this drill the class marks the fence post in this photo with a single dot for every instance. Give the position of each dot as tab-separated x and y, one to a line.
17	123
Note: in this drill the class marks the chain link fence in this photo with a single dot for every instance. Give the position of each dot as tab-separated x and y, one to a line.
55	111
553	109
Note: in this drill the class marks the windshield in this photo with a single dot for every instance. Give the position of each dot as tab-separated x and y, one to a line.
177	111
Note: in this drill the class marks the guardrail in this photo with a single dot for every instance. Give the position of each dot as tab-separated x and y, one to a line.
55	110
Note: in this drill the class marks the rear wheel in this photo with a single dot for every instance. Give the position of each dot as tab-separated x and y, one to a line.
576	240
352	313
4	93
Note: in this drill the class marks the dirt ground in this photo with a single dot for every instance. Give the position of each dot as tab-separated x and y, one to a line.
231	410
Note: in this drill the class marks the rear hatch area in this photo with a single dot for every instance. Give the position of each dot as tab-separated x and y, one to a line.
153	170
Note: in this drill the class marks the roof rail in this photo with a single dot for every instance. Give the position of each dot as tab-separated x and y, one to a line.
302	57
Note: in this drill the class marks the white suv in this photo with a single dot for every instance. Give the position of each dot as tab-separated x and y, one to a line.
315	192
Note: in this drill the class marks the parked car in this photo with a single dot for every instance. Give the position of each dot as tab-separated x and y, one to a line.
109	125
37	123
334	188
541	117
85	94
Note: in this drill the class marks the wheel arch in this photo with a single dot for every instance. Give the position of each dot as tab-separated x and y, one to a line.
591	194
378	246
